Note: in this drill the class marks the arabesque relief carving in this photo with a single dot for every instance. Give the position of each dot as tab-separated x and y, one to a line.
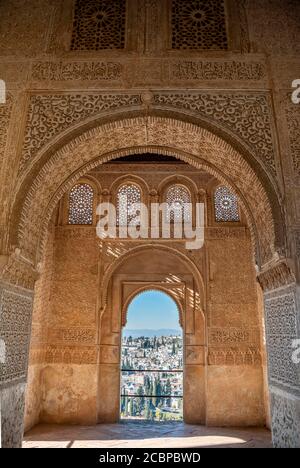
77	71
189	70
71	355
15	319
285	418
293	124
218	356
177	70
5	113
276	276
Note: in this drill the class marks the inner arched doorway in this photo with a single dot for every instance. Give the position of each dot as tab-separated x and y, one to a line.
168	271
152	359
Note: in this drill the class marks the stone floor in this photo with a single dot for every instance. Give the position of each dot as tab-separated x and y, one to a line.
129	434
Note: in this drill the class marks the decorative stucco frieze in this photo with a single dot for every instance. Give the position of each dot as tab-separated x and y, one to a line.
71	355
293	125
17	271
149	70
77	71
232	70
230	336
235	356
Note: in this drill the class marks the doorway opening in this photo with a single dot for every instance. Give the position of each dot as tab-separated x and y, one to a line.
152	359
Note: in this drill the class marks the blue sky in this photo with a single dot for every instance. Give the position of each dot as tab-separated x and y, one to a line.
153	310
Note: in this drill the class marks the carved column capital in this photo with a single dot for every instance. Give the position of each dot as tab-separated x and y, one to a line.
106	196
18	271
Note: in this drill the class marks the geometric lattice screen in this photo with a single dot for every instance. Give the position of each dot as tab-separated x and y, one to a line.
226	205
81	202
99	25
128	199
199	24
178	201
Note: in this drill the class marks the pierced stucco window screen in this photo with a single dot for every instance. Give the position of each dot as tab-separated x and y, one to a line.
226	205
81	203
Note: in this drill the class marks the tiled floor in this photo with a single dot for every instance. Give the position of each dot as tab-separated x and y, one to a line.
146	435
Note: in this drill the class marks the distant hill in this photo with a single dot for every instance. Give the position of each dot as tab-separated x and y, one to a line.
151	333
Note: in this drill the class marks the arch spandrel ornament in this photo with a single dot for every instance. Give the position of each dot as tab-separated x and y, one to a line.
126	255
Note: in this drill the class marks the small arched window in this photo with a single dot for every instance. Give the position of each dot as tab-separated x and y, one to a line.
128	197
226	205
81	202
178	199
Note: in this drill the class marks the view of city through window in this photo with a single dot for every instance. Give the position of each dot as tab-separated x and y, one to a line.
152	360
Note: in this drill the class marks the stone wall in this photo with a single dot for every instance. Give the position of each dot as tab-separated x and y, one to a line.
62	380
15	316
39	332
235	384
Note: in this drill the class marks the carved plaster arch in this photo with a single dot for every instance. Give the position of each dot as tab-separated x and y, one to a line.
148	288
194	339
193	144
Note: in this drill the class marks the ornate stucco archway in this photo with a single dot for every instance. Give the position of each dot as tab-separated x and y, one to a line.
40	191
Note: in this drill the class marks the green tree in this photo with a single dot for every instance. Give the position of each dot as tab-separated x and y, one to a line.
154	391
150	410
159	392
179	404
147	410
123	401
126	365
147	384
140	400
